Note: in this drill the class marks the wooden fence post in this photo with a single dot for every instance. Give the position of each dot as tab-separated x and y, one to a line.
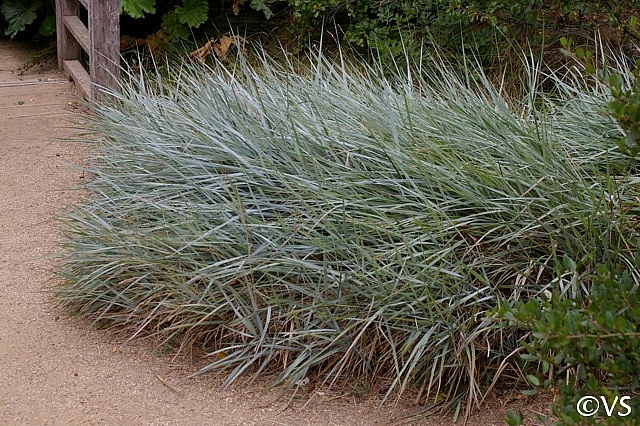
100	38
68	47
104	30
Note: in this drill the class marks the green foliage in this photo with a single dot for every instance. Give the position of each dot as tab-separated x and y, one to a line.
625	109
263	6
514	419
19	14
585	336
182	16
137	8
48	26
193	12
174	29
624	87
374	23
455	25
178	22
594	339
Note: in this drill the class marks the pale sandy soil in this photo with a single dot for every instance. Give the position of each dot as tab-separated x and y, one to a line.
60	371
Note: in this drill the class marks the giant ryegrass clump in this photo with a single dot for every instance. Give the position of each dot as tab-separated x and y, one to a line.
333	222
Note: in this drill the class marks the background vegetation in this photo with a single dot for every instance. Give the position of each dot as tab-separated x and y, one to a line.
391	26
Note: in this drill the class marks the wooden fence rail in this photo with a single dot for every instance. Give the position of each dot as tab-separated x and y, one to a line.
100	39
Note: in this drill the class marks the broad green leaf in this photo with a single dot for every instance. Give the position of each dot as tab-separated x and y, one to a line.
564	42
19	14
529	357
558	358
545	367
137	8
569	263
193	12
48	26
533	380
261	6
174	29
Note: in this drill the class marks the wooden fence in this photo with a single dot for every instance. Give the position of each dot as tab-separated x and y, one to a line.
100	39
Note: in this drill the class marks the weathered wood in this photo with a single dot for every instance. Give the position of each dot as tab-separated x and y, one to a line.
79	31
100	39
68	47
104	27
80	77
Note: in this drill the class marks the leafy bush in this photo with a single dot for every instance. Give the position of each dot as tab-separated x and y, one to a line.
625	108
179	17
19	14
454	24
338	224
623	82
591	343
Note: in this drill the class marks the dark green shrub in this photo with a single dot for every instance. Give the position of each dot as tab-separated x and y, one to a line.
179	17
625	108
624	87
589	345
451	23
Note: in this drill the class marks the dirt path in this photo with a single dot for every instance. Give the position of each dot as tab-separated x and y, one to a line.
55	371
